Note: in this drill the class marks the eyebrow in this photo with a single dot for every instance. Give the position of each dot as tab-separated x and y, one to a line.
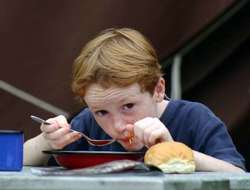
119	101
95	108
126	98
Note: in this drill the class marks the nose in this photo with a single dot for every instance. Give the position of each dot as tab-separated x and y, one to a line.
119	124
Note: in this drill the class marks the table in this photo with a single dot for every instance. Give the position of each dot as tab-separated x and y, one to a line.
25	180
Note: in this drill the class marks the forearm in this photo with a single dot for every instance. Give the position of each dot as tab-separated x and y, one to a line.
33	148
207	163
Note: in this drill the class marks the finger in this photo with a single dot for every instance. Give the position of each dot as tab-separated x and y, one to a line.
144	122
56	123
61	121
156	136
65	140
68	138
140	127
49	128
147	133
61	132
144	127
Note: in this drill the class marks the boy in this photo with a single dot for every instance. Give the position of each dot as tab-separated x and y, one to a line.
118	77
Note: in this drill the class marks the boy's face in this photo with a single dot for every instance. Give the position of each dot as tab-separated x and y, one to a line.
114	108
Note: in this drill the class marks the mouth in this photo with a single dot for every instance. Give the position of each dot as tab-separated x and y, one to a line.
128	139
122	139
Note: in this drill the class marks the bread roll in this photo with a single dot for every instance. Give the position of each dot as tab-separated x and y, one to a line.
171	157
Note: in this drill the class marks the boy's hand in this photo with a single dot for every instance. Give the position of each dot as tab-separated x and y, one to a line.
151	131
58	134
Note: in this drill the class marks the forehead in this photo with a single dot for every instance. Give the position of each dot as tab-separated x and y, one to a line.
97	95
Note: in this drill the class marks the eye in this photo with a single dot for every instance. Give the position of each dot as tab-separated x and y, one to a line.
128	106
101	113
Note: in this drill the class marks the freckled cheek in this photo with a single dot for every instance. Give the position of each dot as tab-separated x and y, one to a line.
116	126
106	126
142	114
130	118
148	110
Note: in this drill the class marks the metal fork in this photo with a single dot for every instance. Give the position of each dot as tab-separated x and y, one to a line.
93	142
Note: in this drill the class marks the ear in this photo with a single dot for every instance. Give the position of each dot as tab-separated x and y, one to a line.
159	91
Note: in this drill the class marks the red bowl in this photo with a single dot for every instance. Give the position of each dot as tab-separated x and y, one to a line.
82	159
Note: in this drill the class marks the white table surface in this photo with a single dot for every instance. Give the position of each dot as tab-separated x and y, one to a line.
25	180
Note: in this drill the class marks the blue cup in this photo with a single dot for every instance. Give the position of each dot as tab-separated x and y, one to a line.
11	150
